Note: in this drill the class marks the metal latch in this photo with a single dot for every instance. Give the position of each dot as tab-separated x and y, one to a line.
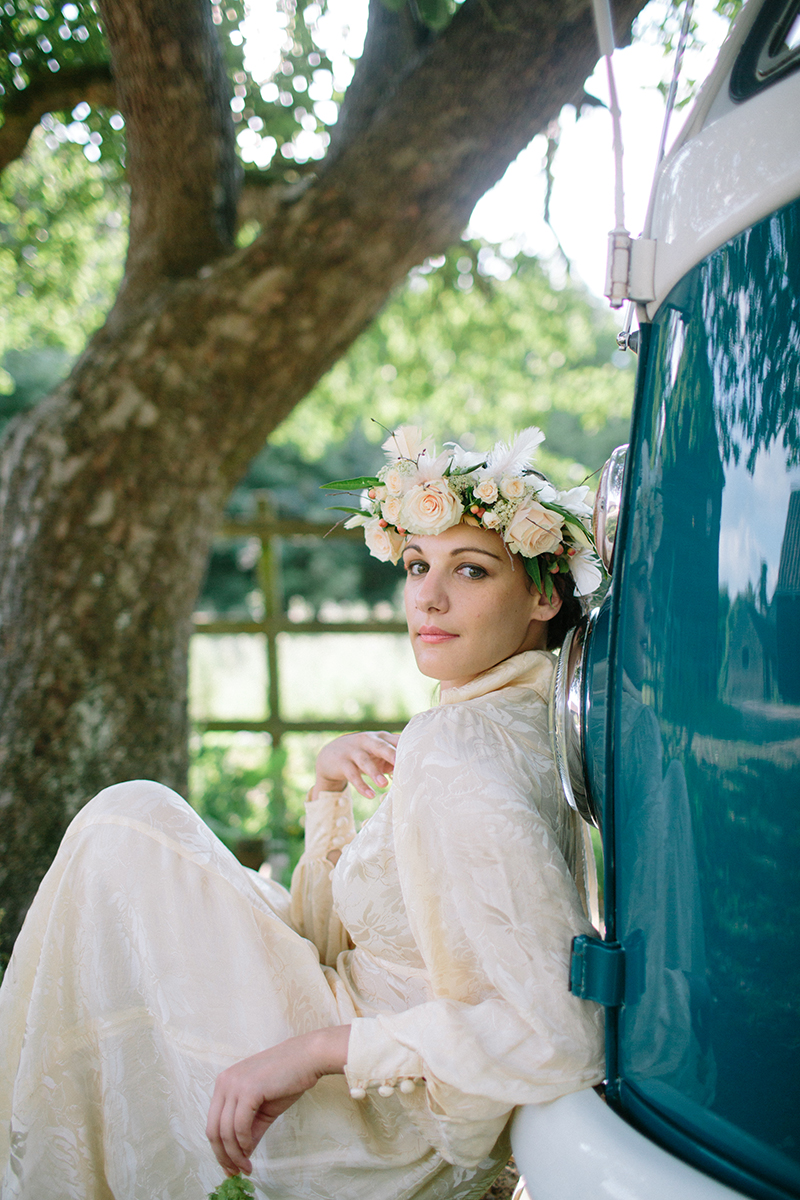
597	970
630	268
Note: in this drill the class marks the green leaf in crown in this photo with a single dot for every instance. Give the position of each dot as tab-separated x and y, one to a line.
344	485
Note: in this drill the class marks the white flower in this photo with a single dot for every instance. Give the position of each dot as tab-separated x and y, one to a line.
486	490
430	508
510	460
492	519
390	509
464	460
385	544
512	487
379	493
429	468
356	520
533	530
574	501
585	570
407	442
545	492
577	533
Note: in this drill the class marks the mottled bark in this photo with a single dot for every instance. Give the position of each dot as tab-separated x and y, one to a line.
112	489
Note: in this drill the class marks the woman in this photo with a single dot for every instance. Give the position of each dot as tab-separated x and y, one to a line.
369	1035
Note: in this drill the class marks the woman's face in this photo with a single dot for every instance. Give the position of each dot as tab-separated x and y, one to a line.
470	604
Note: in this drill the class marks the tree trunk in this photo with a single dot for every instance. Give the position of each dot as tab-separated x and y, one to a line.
111	490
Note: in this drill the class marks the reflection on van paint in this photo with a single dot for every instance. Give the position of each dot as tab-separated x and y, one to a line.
707	744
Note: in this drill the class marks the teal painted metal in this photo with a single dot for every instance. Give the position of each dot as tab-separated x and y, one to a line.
597	970
704	719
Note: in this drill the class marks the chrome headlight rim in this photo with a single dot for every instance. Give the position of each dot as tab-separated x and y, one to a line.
567	717
607	505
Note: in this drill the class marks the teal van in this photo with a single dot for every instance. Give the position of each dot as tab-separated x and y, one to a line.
677	709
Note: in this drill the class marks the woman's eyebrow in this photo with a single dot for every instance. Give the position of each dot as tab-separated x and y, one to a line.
459	550
474	550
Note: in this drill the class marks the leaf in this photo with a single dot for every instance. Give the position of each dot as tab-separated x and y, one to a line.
534	570
548	586
435	13
234	1188
344	485
354	512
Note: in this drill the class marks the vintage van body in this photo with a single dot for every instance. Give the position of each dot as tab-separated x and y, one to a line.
689	683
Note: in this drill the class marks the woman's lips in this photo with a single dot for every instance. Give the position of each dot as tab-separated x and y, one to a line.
431	633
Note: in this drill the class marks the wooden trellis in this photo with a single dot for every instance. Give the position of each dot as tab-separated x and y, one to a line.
270	532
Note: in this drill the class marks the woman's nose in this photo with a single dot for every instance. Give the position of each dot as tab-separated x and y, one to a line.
431	596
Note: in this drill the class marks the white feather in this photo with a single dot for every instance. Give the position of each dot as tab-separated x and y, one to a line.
512	460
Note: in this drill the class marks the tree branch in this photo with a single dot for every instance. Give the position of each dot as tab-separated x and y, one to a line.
392	46
275	316
174	94
52	93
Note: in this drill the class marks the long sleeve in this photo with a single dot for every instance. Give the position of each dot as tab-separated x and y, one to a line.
329	826
493	910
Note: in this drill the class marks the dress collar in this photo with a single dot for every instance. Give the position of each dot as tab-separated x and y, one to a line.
532	669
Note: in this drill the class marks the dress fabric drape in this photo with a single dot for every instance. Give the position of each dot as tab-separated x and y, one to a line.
151	960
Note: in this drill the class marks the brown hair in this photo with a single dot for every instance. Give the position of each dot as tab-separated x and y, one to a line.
567	616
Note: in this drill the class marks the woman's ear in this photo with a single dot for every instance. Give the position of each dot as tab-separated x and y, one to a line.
543	609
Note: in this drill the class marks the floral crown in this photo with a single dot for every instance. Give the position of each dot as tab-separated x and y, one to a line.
420	492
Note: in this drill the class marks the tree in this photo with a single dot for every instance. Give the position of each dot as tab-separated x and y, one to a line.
111	489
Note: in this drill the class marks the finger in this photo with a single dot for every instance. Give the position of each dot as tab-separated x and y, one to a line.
385	749
354	779
221	1154
213	1130
230	1142
243	1129
373	767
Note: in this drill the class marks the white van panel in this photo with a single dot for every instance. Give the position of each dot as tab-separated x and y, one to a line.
730	174
577	1148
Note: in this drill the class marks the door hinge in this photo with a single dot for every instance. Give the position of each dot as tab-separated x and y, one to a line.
597	970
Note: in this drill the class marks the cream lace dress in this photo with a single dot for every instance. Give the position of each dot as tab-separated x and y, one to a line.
151	960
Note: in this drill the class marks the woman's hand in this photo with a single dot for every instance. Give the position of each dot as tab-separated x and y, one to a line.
349	757
253	1093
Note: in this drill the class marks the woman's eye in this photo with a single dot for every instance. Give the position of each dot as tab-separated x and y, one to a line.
471	571
416	568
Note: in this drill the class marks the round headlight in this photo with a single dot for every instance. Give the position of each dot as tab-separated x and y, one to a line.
607	504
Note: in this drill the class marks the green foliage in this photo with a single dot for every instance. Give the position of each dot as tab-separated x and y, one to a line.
433	13
272	104
232	782
237	1187
39	40
62	243
464	352
329	570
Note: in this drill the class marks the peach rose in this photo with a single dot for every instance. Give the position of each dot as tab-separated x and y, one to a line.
491	520
430	508
534	530
395	481
390	509
384	544
486	491
512	487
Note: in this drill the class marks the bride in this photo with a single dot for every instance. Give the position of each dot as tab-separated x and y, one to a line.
168	1015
